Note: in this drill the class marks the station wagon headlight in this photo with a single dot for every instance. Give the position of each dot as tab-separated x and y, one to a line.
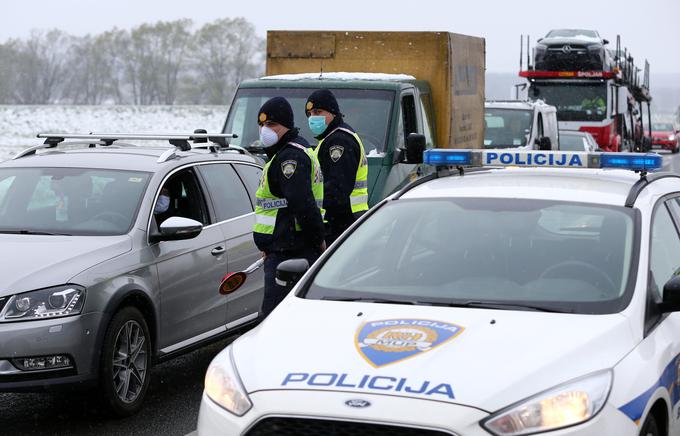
223	385
60	301
569	404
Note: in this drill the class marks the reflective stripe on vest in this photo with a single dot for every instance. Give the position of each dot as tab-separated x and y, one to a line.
267	205
359	195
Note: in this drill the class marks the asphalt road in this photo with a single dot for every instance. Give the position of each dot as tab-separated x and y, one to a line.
171	407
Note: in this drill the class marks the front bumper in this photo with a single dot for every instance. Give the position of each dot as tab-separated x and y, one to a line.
664	143
425	415
74	336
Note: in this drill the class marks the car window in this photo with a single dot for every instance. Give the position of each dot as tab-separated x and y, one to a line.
75	201
427	131
186	198
4	187
228	194
664	259
251	177
568	255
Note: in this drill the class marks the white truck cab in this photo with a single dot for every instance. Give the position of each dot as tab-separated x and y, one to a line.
527	124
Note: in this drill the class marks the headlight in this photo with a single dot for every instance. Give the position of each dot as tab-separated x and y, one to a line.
671	138
223	385
569	404
66	300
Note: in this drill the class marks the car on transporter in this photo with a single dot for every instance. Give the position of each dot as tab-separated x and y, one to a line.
112	255
477	301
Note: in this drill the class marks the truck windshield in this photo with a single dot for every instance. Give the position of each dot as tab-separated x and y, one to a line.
69	201
504	128
574	101
366	110
562	256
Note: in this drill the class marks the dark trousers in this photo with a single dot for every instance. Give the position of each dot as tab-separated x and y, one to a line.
273	293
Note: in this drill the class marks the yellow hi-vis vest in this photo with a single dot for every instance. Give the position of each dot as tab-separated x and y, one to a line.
268	205
358	198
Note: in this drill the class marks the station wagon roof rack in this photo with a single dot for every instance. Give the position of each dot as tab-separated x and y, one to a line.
181	141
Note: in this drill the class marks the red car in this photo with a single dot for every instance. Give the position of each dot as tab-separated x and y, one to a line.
665	136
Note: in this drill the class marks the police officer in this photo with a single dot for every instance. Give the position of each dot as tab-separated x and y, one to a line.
343	163
288	218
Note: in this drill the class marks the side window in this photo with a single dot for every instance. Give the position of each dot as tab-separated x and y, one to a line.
4	187
228	194
664	258
251	177
408	111
186	199
539	129
427	131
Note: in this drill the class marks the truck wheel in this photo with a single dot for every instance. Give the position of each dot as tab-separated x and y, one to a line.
649	428
125	362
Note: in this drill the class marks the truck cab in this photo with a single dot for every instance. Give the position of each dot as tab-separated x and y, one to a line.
530	125
384	109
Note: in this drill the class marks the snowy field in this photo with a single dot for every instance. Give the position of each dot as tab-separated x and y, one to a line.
20	124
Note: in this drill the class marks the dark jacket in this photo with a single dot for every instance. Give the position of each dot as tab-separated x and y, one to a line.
297	190
339	172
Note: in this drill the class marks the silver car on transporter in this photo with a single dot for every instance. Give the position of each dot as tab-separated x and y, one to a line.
111	257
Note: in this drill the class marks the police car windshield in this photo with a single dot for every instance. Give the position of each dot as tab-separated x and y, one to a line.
572	256
69	201
366	110
506	128
574	101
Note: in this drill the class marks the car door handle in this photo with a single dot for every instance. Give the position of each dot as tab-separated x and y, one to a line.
218	250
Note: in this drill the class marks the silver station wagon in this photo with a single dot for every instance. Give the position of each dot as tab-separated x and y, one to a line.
111	256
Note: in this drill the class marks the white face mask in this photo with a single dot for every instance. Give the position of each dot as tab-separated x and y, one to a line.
162	205
268	136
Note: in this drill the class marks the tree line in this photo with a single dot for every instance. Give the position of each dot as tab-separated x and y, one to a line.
163	63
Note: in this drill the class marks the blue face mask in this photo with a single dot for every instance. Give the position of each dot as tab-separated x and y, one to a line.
162	205
317	124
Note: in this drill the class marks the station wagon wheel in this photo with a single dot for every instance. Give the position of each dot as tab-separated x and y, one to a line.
125	363
650	428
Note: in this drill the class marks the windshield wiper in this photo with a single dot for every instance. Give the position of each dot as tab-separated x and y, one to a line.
506	306
375	300
32	232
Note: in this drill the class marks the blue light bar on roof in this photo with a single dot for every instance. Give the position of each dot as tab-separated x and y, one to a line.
533	158
632	161
447	157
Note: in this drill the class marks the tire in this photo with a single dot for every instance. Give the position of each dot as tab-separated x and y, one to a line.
676	149
650	428
125	364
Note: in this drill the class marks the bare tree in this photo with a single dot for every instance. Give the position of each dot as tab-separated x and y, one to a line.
224	53
39	67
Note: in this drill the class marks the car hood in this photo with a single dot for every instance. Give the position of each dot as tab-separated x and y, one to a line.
481	358
662	133
575	41
35	261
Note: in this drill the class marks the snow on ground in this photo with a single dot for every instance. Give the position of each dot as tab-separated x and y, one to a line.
20	124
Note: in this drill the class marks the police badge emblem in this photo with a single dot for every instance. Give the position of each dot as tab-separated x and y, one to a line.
336	152
392	340
288	168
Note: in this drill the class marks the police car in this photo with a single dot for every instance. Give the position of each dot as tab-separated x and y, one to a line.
477	301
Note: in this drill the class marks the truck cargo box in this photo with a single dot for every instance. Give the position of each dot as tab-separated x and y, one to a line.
453	64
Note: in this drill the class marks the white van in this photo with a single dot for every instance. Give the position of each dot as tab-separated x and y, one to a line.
529	125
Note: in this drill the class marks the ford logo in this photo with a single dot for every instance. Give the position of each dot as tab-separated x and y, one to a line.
357	404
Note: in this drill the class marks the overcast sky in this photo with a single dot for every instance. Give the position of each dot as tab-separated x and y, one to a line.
649	28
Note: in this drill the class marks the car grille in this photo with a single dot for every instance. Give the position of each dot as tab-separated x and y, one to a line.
322	427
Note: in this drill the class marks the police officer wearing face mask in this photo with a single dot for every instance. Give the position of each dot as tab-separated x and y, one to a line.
288	215
343	163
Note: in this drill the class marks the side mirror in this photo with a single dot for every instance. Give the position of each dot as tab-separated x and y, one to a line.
289	272
671	295
605	41
415	147
544	143
177	228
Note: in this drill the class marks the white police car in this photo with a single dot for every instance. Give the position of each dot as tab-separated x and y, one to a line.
506	301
